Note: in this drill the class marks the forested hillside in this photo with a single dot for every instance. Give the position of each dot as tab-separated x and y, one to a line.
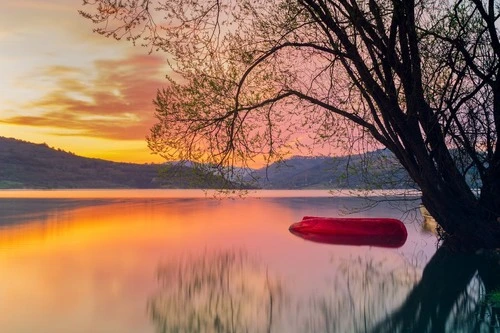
375	170
29	165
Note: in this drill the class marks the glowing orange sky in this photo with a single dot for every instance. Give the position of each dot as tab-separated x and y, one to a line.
72	89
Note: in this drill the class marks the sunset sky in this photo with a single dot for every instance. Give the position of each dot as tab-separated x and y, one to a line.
65	86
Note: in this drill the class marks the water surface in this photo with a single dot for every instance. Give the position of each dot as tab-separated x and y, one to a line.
177	261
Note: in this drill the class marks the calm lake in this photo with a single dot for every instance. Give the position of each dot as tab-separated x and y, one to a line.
178	261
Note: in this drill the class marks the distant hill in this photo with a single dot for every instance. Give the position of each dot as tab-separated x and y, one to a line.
374	170
28	165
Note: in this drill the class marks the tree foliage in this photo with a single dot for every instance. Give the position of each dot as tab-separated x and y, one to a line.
260	78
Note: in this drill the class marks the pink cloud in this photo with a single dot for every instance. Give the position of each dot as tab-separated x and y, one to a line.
114	101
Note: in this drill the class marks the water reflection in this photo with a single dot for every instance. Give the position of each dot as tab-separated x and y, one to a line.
364	290
231	292
219	292
20	211
178	265
450	296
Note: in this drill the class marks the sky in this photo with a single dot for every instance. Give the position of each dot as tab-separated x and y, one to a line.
65	86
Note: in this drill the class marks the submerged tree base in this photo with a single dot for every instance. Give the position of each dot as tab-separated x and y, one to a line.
486	237
464	223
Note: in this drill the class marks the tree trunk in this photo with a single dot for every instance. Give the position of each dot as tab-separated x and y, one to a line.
466	225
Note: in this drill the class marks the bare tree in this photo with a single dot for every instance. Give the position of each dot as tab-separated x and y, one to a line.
254	78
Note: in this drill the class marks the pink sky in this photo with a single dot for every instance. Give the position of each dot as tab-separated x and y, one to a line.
72	89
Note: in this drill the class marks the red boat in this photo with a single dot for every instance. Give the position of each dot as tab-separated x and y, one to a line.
384	232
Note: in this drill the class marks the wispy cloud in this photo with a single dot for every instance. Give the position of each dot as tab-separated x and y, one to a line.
113	100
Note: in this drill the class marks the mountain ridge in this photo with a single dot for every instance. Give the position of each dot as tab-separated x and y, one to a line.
37	166
374	170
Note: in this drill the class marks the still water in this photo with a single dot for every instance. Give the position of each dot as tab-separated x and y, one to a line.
179	261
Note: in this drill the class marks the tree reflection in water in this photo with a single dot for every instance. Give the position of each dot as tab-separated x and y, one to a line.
218	292
451	296
364	289
230	292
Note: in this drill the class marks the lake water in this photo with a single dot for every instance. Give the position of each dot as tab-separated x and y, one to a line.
179	261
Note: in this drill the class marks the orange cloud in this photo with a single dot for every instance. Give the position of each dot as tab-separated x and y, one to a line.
112	101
